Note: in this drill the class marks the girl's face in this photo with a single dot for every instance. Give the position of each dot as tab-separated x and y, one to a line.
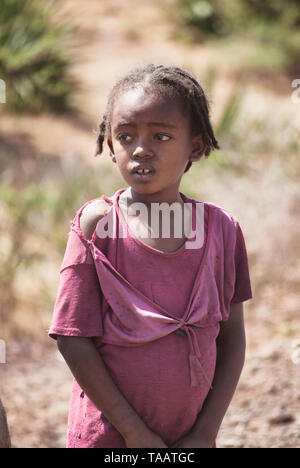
151	142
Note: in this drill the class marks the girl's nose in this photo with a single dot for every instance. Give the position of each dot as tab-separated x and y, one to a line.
141	151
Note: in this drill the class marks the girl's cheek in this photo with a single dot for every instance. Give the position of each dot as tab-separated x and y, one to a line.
122	150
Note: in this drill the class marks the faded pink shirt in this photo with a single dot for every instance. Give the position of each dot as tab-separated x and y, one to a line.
132	299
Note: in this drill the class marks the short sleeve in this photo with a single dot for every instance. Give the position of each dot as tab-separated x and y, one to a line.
77	310
242	287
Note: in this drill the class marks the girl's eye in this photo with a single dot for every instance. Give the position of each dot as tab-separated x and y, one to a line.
124	137
163	137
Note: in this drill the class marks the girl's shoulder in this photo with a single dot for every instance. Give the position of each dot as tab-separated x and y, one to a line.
92	212
222	213
220	220
216	211
224	222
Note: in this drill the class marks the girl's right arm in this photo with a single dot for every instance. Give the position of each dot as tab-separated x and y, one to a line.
88	368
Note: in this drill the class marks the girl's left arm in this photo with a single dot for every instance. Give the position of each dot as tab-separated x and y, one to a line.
231	344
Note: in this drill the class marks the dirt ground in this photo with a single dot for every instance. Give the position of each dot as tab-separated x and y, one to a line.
36	385
35	382
264	412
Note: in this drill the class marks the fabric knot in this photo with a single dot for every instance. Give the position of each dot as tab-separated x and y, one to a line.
182	323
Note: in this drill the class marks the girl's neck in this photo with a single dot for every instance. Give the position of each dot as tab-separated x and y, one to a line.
132	197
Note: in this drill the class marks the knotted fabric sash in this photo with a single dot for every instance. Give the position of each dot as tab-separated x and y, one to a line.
133	319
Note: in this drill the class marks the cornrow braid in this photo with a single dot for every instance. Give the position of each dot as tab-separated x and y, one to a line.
173	81
101	136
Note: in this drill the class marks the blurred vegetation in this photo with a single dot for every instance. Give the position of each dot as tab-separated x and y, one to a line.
274	26
224	126
34	222
33	61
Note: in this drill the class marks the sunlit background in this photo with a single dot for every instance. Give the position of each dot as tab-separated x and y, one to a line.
58	61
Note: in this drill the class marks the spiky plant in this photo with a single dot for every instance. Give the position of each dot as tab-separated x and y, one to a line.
272	25
33	62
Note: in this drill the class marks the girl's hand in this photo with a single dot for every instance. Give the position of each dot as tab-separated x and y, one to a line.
147	439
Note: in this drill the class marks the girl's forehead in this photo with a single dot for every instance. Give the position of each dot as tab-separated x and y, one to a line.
138	103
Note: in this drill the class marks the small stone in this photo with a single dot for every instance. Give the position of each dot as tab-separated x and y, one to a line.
284	418
232	443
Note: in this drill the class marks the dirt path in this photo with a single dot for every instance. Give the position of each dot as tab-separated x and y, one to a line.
264	411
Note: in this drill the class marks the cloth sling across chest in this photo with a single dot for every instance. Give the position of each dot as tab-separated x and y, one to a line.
135	319
132	319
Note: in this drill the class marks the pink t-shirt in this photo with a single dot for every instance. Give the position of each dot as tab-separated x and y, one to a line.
153	316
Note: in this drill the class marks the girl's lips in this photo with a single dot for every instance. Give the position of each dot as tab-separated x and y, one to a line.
141	167
143	175
142	172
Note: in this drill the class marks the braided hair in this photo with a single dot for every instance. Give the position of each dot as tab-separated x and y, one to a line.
174	82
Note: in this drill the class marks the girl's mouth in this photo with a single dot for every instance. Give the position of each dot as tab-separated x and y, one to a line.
143	172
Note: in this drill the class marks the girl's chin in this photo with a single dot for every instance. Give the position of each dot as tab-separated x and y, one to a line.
143	190
141	179
142	183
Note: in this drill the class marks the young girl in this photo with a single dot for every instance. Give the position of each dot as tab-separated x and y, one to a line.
151	326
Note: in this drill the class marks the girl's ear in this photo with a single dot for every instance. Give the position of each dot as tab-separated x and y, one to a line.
110	145
198	149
